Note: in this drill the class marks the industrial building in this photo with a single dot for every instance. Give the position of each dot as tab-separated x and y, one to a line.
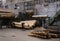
29	20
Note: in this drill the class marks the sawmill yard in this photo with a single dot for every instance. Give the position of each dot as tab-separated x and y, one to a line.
29	20
12	34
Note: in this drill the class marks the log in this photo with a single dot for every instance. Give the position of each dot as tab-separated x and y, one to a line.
54	35
55	31
40	36
58	35
39	33
7	15
44	33
27	24
17	24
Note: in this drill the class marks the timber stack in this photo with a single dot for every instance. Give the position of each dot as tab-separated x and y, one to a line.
43	33
28	24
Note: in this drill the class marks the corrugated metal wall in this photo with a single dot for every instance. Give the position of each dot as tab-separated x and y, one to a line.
49	10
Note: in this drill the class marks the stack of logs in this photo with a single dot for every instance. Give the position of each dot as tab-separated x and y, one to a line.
43	33
28	24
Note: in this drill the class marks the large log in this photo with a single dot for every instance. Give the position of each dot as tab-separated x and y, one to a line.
39	33
6	13
27	24
54	35
55	31
6	10
44	33
40	36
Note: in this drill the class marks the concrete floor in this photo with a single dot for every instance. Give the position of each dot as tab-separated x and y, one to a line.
19	35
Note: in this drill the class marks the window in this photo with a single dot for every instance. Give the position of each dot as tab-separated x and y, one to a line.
37	1
29	5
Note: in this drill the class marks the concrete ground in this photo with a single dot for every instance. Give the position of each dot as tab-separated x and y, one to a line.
20	35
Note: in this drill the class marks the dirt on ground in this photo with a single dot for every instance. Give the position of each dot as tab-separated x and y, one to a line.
10	34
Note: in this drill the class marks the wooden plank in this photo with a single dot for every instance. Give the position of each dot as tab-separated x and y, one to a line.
40	16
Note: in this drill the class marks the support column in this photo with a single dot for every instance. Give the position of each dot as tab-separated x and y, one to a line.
3	3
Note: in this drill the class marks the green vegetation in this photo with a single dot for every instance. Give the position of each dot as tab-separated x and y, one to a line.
52	19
